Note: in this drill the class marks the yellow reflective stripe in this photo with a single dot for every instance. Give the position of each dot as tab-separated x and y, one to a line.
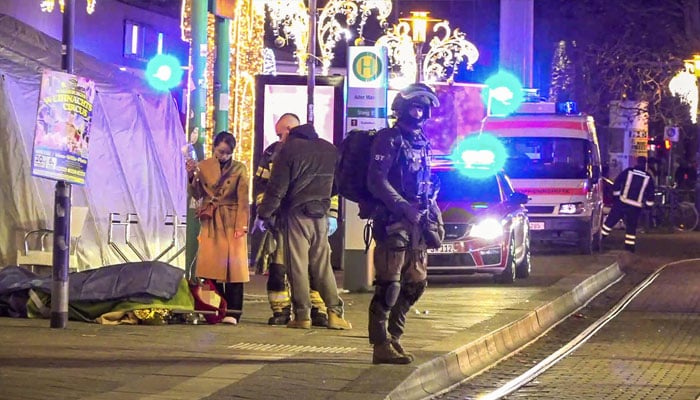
282	297
334	202
629	242
259	198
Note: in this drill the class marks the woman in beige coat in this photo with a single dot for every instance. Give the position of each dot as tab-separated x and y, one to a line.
222	184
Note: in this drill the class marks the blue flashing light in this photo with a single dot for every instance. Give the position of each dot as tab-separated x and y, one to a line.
479	156
503	93
164	72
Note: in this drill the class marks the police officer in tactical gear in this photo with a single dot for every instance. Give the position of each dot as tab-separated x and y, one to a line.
298	196
277	289
633	189
399	177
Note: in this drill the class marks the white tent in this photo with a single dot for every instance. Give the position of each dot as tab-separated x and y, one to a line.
135	164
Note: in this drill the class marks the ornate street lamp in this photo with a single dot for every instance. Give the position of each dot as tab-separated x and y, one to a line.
405	41
419	25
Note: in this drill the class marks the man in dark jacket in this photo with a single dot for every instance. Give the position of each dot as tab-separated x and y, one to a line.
399	177
633	189
298	195
277	290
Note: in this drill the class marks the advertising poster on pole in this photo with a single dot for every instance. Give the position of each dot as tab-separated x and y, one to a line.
62	130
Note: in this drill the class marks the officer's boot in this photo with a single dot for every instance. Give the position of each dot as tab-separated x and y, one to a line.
319	315
396	344
385	353
281	307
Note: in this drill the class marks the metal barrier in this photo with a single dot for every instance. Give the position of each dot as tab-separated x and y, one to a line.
115	220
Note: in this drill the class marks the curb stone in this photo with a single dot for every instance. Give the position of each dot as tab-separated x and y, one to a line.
442	372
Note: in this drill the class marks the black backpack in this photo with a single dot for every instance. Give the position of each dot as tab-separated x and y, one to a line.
351	170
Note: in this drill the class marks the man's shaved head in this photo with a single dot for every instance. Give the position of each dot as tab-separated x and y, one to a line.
287	122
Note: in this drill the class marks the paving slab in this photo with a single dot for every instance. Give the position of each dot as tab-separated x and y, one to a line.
456	329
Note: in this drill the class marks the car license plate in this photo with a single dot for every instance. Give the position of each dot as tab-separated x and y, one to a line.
445	248
536	226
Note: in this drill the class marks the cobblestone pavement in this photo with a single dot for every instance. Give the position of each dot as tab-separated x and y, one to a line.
650	351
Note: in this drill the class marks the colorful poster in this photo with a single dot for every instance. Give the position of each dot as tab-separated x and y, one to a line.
62	129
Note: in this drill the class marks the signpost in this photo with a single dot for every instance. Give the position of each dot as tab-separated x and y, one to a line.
366	109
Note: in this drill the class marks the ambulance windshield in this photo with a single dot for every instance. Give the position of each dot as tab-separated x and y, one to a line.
546	157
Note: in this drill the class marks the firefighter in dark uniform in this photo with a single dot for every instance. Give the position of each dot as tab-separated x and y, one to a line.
296	202
633	189
277	288
399	177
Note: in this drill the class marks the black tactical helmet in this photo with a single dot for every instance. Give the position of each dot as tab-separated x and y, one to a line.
415	93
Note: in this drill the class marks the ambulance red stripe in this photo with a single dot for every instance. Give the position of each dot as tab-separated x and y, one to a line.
521	124
563	191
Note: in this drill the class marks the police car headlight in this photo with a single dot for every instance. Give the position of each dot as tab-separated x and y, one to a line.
571	208
487	229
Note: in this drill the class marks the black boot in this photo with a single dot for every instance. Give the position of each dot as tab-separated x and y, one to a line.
318	318
280	318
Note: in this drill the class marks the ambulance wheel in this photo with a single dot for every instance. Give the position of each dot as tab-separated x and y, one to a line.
586	242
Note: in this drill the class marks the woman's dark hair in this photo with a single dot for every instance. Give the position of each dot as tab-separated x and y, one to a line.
225	137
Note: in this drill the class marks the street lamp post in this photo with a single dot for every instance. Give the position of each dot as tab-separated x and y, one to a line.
419	26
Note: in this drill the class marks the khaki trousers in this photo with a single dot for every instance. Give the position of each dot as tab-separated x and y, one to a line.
309	261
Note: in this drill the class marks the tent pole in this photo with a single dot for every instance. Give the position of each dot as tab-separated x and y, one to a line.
62	200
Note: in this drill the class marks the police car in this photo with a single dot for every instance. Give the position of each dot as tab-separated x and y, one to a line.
486	223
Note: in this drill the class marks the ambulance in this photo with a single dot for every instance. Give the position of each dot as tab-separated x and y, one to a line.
554	158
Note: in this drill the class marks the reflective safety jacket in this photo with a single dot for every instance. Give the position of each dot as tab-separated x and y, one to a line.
634	187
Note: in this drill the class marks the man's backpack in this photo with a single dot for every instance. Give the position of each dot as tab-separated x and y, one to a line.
351	170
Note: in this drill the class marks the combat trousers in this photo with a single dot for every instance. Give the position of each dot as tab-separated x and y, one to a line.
387	312
309	263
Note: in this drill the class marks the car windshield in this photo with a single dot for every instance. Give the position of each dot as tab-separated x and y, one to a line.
546	157
455	186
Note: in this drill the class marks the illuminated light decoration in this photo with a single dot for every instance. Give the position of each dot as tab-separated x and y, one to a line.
402	56
330	30
445	53
269	62
289	20
247	34
164	72
49	5
685	86
502	94
479	156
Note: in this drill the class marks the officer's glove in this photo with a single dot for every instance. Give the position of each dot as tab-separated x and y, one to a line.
332	225
259	225
411	213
